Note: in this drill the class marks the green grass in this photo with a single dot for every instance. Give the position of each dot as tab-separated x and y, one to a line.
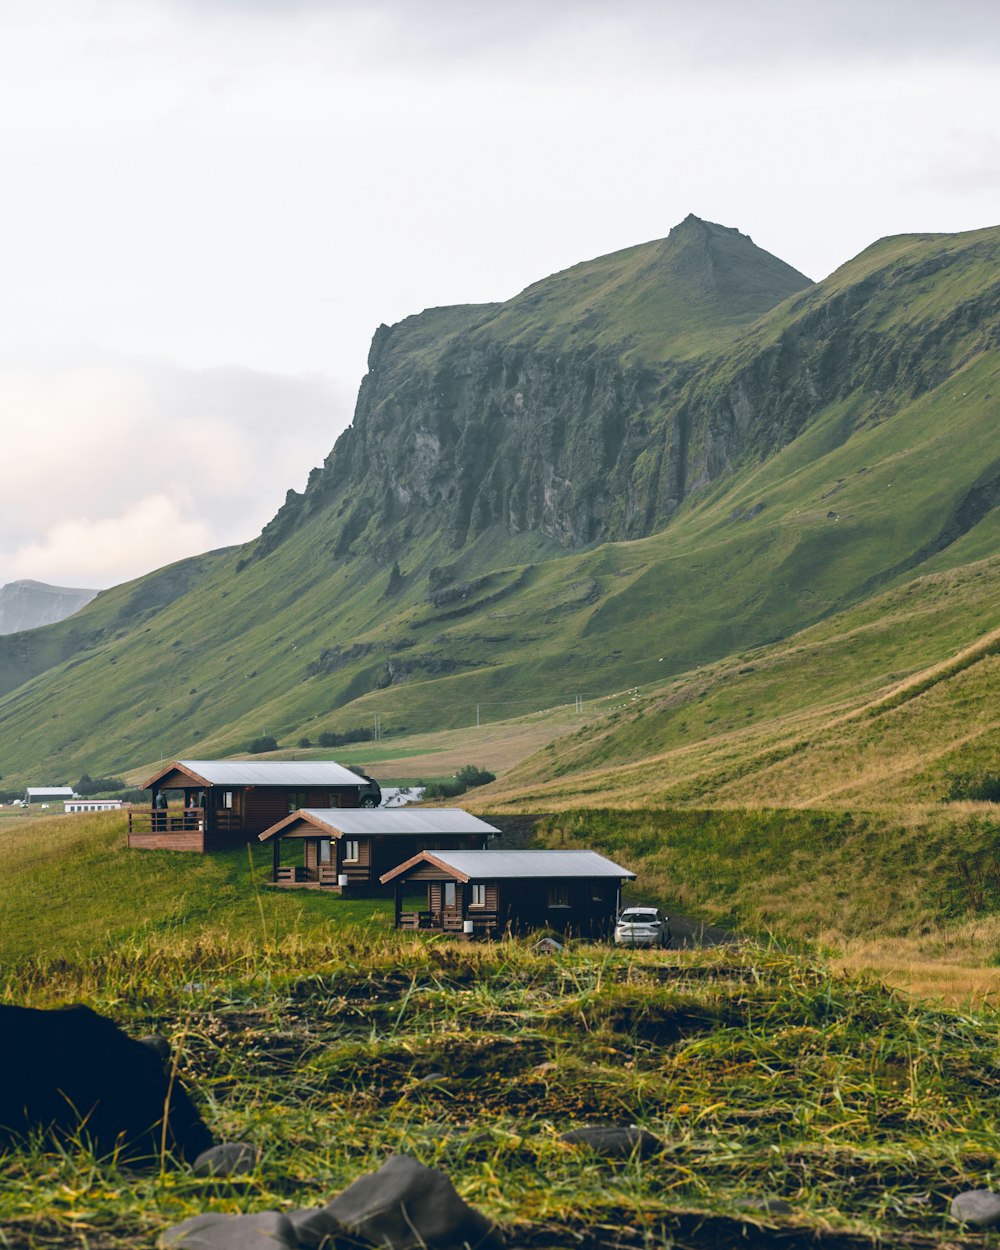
69	884
762	1074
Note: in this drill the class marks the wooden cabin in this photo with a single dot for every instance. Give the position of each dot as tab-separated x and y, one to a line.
488	893
349	851
223	803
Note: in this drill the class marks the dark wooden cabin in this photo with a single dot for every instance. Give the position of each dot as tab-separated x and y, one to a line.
488	893
349	851
226	803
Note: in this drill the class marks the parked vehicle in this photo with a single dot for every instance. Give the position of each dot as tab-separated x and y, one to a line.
642	926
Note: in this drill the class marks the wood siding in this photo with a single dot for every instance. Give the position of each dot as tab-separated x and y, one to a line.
194	841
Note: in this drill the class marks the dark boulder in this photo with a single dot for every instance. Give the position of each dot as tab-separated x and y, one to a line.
614	1142
402	1206
73	1075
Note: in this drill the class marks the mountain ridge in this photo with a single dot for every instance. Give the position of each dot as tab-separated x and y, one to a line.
504	525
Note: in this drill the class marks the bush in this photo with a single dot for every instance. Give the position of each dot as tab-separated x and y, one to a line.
99	785
473	776
982	787
305	743
330	739
264	743
468	775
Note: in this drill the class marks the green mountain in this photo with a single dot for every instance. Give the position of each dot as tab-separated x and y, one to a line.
642	465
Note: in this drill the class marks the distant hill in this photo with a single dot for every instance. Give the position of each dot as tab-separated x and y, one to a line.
655	464
27	604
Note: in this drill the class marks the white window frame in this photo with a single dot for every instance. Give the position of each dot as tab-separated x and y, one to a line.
477	896
448	888
324	853
352	851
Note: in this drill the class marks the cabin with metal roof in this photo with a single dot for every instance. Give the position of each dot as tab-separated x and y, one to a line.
348	850
488	893
209	805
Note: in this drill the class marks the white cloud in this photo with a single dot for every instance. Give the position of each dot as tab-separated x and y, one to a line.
94	552
117	467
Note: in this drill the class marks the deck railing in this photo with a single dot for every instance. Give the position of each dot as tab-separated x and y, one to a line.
296	874
450	921
166	820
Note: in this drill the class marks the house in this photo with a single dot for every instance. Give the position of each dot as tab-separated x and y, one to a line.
223	803
53	793
92	805
340	850
488	893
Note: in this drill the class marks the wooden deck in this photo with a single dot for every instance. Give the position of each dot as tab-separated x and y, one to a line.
484	924
183	829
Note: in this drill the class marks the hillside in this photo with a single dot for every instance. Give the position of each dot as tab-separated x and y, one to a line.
535	502
27	604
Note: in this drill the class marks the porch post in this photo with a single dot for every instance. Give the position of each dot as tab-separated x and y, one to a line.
275	857
398	893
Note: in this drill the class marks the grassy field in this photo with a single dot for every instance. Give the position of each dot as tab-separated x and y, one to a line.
762	1074
306	1025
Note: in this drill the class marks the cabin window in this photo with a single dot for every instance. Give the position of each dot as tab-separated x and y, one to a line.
352	850
227	799
324	850
449	894
597	892
559	895
478	897
297	799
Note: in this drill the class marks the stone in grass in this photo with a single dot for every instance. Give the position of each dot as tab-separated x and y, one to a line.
316	1229
978	1207
231	1158
614	1141
766	1205
405	1205
267	1230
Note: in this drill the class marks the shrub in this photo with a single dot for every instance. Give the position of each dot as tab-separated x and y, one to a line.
264	743
99	785
982	786
330	739
305	742
471	775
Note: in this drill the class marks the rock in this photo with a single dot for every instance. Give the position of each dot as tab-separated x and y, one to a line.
70	1069
265	1230
616	1142
231	1158
766	1205
405	1205
158	1044
978	1207
315	1228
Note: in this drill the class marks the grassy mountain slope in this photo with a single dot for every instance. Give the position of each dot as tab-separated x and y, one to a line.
841	444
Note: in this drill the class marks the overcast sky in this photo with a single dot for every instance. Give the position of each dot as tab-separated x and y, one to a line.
207	206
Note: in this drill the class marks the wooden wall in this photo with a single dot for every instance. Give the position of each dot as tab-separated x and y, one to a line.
187	841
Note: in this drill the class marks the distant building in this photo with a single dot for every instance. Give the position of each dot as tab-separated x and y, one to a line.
344	850
49	793
223	803
93	805
488	893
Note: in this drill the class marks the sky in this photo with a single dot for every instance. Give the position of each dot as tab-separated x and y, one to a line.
208	206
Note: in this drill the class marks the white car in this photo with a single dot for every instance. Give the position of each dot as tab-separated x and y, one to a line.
642	926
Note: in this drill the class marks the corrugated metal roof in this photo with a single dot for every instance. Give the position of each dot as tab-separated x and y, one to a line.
273	772
483	865
424	821
50	792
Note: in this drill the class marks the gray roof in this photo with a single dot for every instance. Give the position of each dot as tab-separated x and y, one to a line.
492	865
423	822
50	792
273	772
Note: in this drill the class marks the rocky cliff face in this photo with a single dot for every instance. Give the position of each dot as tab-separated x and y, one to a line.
559	413
650	375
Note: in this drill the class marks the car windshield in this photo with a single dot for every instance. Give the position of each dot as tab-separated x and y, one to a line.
640	917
